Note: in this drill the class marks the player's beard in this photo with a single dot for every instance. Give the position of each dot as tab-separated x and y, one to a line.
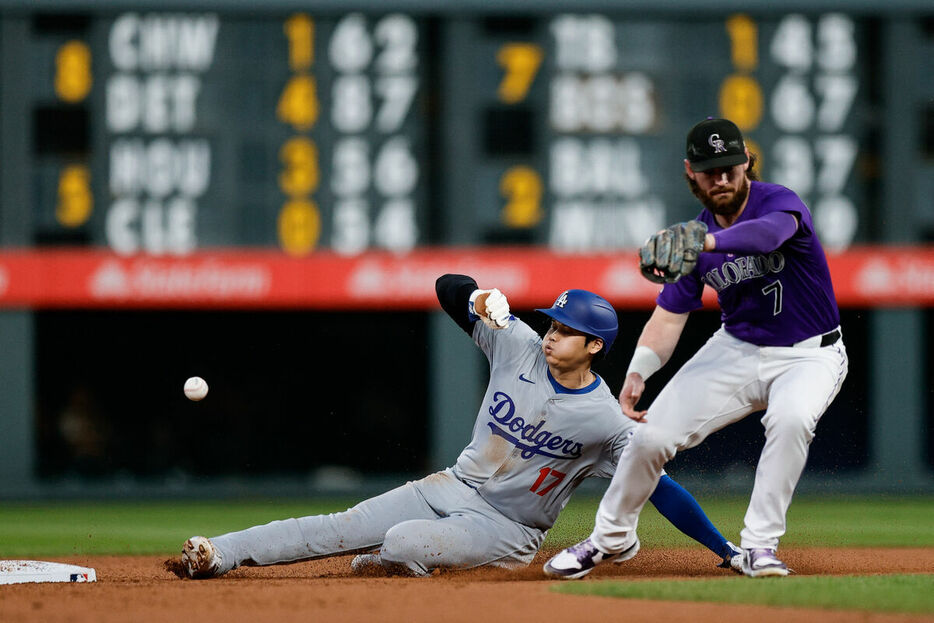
729	208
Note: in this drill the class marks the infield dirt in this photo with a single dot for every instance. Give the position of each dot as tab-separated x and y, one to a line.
144	589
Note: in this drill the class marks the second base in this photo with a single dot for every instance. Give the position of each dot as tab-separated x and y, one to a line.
22	571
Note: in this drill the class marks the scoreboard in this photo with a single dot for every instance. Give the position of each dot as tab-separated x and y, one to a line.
247	160
166	133
204	130
585	120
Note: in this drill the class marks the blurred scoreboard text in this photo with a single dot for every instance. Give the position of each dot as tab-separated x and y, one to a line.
165	133
175	134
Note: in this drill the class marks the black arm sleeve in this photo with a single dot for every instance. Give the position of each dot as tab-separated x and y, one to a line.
454	294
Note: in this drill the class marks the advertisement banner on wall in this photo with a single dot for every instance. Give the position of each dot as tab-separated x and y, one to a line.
863	277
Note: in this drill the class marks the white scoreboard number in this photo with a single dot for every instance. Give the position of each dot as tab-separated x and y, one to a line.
609	106
811	105
375	89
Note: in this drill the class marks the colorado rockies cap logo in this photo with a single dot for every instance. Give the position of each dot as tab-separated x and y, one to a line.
717	143
562	300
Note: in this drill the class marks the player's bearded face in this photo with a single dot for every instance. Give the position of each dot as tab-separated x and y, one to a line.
722	191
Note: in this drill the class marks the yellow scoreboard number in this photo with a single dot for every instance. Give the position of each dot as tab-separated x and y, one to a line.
740	94
72	82
299	223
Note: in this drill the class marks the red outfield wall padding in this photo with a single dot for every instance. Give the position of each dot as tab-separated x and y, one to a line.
259	278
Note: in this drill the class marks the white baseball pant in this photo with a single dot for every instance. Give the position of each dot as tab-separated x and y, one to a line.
726	380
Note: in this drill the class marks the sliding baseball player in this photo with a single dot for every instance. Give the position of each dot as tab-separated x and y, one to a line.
546	422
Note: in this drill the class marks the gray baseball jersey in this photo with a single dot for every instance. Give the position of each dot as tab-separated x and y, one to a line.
533	443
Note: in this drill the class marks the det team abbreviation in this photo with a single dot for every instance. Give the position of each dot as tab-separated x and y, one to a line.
315	132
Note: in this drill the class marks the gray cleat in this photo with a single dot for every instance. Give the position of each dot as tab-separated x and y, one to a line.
366	564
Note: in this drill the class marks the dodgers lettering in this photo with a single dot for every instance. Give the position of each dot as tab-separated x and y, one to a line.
743	268
503	411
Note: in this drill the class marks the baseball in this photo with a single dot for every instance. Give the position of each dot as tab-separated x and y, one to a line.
196	388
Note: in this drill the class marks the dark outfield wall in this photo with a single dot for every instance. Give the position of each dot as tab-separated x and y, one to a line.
292	392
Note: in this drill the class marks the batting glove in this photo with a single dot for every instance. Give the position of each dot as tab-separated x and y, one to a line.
491	307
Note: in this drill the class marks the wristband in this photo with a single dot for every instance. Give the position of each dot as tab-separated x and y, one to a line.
471	312
644	362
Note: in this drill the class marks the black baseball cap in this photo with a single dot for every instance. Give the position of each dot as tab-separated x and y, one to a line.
715	143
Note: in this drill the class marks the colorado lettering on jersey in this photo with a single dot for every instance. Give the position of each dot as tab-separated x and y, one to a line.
504	413
743	268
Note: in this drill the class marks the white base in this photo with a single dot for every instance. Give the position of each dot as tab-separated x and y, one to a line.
21	571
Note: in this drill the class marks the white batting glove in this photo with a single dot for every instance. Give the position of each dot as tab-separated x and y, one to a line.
491	306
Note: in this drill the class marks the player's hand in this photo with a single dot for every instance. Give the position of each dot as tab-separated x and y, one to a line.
492	307
630	395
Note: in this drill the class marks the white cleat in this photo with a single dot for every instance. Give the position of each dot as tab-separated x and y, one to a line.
200	558
734	561
761	562
579	560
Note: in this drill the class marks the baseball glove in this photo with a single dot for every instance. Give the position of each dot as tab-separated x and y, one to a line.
672	253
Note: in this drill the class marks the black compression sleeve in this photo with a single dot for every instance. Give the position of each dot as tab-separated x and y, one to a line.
454	294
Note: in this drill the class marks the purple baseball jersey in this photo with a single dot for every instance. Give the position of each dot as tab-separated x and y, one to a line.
772	299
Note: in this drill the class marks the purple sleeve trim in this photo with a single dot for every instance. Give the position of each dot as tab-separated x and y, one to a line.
760	235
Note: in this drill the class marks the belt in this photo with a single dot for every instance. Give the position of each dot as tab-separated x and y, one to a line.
820	341
828	339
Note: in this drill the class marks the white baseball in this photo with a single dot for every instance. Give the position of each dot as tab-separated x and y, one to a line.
196	388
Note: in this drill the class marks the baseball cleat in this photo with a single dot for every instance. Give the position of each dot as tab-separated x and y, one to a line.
366	564
734	560
760	562
373	564
200	558
579	560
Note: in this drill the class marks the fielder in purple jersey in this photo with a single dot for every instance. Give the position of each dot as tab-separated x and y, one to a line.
779	348
546	423
762	247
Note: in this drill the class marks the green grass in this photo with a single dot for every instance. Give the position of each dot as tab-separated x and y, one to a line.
159	527
812	521
39	530
885	593
60	528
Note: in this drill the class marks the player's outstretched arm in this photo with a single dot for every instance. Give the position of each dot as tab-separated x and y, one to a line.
654	348
761	235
